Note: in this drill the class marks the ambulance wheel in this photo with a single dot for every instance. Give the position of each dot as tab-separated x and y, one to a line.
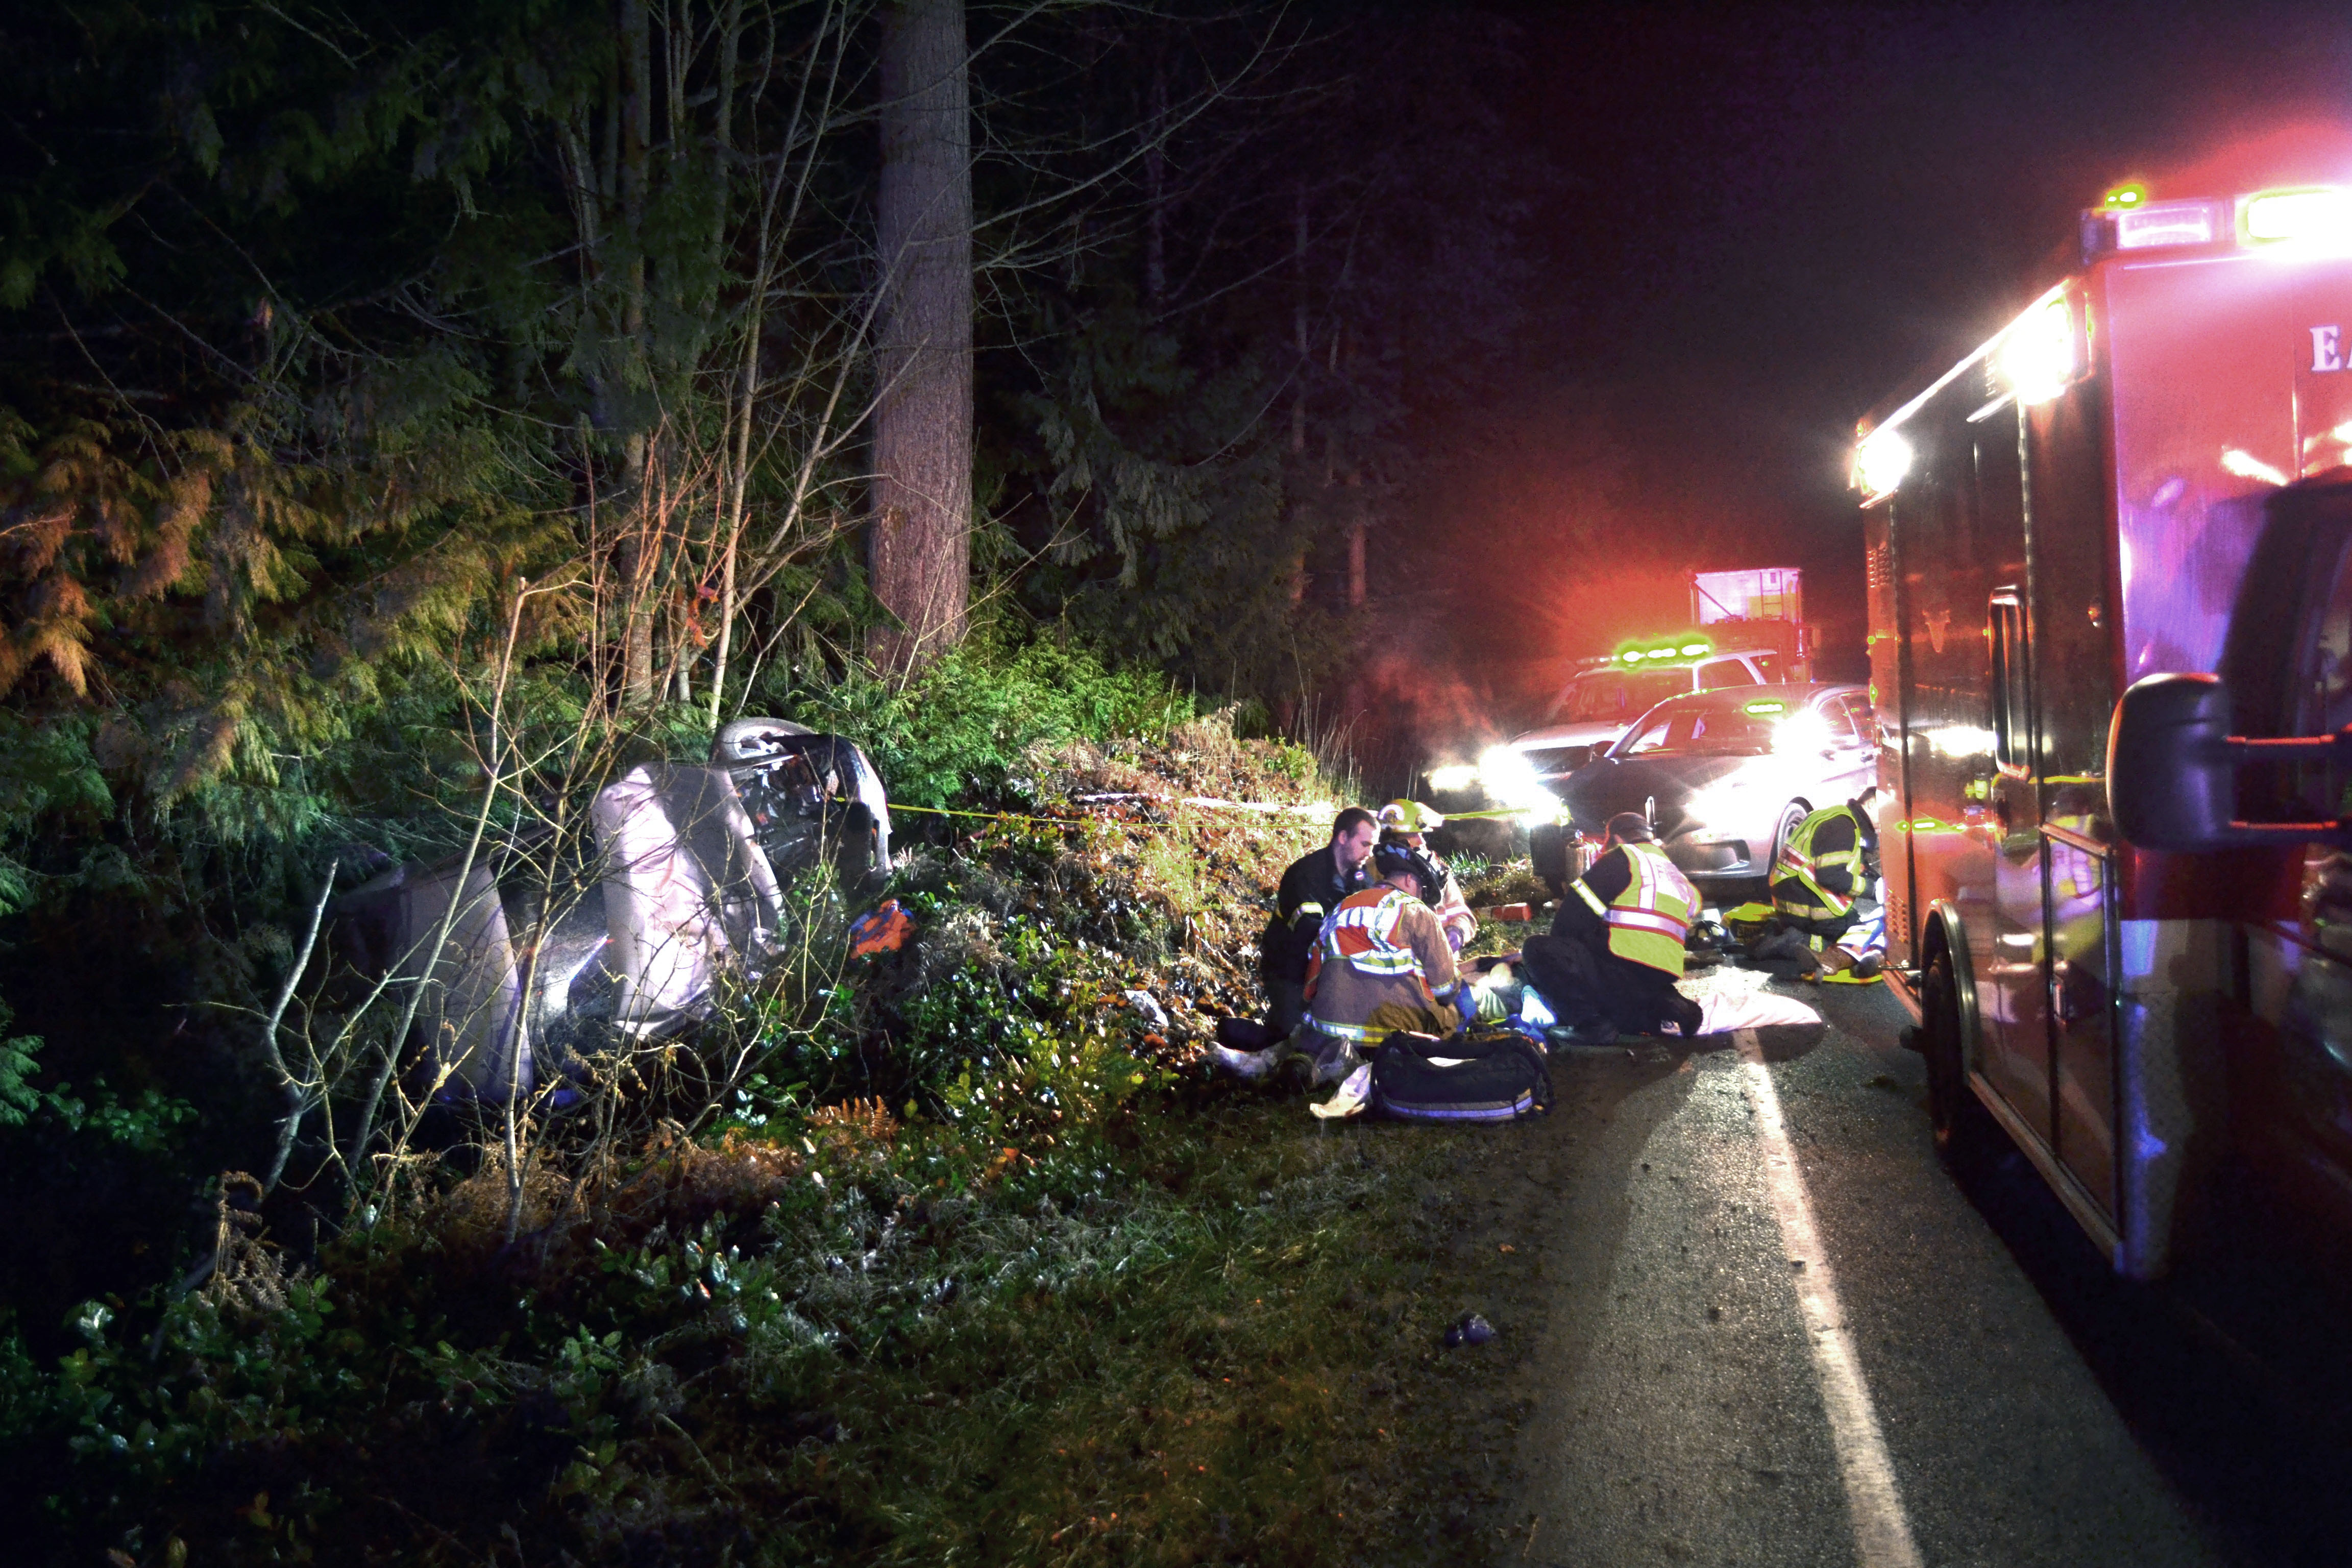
1963	1130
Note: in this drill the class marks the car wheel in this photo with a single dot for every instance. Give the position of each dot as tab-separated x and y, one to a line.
1965	1133
1792	816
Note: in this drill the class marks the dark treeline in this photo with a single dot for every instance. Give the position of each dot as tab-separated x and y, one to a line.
378	376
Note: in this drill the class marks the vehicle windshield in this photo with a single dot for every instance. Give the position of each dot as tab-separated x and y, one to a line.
1705	730
1617	696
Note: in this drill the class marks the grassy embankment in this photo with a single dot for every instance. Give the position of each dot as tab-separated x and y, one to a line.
977	1266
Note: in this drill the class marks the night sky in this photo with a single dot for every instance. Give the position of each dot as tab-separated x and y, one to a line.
1767	221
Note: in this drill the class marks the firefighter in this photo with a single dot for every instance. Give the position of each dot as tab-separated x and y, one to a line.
1311	889
1380	963
1407	822
1821	886
1616	946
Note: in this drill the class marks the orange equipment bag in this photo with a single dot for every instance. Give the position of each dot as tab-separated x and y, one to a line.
885	930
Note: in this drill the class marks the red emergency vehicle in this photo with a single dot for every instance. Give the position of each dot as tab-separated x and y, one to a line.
2073	507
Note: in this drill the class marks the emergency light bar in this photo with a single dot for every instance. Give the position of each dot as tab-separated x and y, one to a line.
2307	213
1696	649
2320	213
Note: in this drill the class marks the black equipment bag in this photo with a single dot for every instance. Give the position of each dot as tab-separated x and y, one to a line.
1494	1076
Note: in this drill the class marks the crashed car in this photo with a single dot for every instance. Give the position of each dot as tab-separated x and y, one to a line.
1725	777
554	947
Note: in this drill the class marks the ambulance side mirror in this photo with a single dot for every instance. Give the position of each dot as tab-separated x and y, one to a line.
2171	783
2172	768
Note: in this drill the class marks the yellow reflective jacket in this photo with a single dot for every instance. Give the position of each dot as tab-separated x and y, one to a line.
1650	919
1798	873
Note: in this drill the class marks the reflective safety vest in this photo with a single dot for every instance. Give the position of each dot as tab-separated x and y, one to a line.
1648	921
1795	874
1362	930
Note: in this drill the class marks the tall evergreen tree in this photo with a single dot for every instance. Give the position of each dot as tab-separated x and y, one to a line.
919	545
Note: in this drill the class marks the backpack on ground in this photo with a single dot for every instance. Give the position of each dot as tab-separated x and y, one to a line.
1489	1076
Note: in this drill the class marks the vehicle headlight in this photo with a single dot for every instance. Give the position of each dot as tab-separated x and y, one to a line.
1720	810
1454	776
1804	730
1510	779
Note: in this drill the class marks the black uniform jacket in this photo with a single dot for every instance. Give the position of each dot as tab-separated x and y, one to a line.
1310	889
1610	874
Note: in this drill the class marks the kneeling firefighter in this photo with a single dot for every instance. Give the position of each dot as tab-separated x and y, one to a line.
1826	870
1616	946
1382	964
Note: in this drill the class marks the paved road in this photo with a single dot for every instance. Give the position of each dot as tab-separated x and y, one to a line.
2027	1408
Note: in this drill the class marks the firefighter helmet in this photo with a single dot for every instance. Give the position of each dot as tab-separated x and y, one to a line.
1388	859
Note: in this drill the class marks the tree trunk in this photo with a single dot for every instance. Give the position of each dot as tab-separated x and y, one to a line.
920	538
639	566
1155	179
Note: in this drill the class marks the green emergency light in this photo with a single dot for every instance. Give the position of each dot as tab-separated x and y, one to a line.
1636	655
1761	709
2123	196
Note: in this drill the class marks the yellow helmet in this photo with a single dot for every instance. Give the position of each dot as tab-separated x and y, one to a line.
1408	816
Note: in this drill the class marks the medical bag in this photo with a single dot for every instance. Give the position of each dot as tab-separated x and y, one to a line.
1494	1075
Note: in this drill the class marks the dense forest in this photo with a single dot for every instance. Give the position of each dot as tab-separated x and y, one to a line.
415	415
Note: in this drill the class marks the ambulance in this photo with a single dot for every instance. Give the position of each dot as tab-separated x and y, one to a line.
2137	997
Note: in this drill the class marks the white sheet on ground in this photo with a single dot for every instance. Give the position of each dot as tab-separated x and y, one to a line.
1726	1010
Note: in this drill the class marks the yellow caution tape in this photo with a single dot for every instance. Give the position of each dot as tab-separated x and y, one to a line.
1073	820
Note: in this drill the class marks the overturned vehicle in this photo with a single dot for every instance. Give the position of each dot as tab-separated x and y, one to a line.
514	964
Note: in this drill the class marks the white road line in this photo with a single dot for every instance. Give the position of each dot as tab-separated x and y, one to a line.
1882	1534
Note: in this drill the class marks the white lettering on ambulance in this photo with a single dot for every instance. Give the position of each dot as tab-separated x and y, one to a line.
2327	348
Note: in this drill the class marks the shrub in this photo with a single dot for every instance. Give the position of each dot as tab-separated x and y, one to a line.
959	730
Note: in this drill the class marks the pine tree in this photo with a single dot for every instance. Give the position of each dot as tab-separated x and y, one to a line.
919	542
